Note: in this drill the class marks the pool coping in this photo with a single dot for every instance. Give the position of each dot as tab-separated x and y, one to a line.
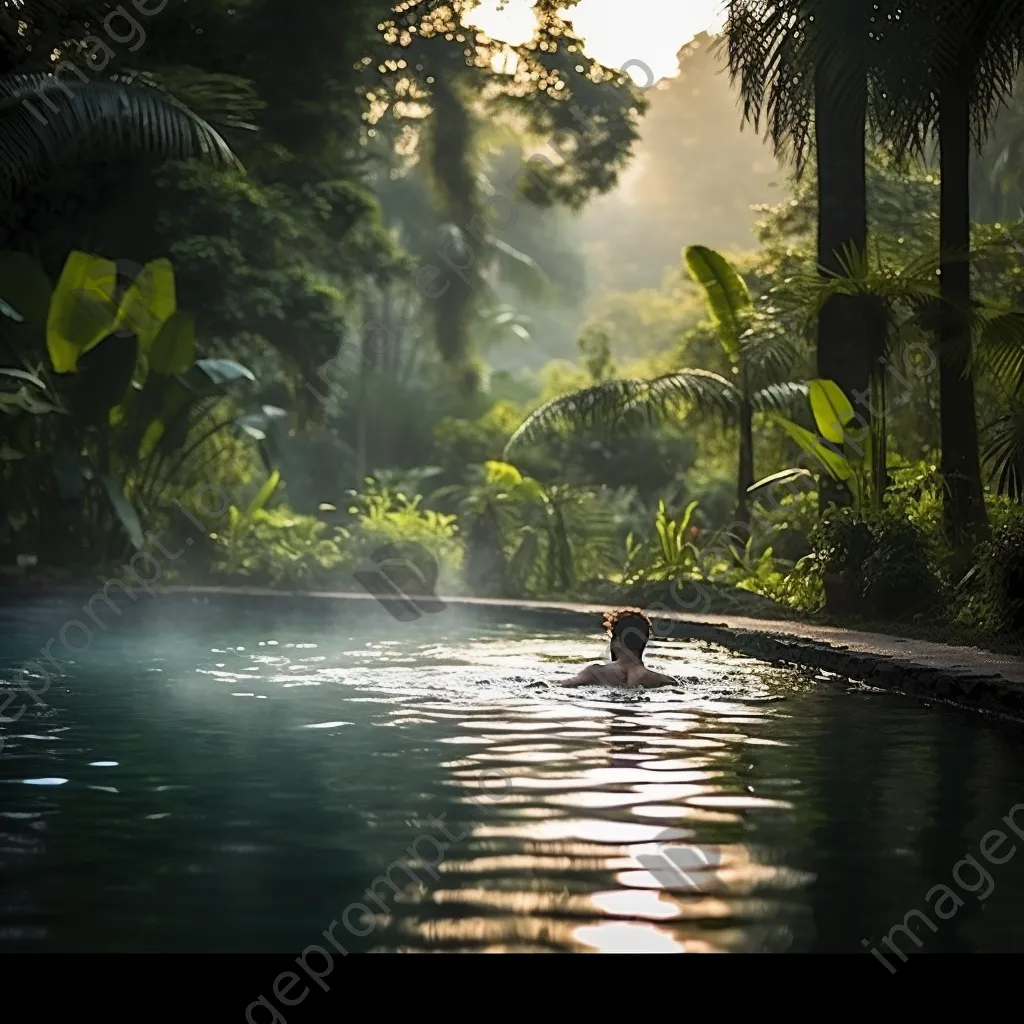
967	677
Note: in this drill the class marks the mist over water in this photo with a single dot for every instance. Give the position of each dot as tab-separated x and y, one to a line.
236	776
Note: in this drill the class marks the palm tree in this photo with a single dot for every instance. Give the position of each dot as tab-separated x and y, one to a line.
46	119
946	72
758	362
804	69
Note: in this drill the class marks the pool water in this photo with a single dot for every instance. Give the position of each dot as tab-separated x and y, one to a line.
245	777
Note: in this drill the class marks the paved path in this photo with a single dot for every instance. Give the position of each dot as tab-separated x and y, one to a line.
969	661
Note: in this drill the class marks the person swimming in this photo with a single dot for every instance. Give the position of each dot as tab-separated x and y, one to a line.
628	629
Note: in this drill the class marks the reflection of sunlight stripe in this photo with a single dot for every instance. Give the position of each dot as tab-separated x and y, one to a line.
627	938
635	903
659	905
594	798
592	830
739	880
590	777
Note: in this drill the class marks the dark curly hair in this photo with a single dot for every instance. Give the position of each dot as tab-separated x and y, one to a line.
630	626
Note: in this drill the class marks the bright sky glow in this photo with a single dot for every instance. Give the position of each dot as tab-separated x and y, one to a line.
615	31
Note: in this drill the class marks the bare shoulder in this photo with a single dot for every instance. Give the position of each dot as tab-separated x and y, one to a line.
649	679
585	677
595	675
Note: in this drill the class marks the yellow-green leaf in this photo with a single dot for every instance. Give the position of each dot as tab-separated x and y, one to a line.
82	311
149	302
174	350
832	410
726	295
502	474
833	462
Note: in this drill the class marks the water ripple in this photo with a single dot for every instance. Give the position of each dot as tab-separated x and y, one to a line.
482	813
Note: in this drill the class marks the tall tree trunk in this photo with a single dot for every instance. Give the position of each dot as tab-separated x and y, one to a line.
745	479
964	505
840	120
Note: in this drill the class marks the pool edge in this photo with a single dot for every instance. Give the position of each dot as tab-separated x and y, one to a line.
962	676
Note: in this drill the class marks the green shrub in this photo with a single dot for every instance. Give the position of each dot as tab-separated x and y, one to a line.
381	517
841	542
915	494
887	567
670	554
899	579
802	588
463	442
283	549
997	602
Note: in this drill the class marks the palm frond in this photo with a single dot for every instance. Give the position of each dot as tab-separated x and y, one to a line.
692	389
602	405
47	120
767	60
999	346
769	354
939	44
225	100
627	405
904	51
1004	452
784	399
780	51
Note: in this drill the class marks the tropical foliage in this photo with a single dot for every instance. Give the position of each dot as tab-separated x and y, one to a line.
296	283
110	414
757	358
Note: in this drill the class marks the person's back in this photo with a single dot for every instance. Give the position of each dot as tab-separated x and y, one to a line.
629	630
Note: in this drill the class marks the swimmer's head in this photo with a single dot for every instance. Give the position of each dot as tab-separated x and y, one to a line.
629	630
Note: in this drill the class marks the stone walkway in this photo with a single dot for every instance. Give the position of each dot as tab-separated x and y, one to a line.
970	661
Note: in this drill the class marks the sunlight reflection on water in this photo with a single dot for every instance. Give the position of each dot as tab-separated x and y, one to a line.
262	780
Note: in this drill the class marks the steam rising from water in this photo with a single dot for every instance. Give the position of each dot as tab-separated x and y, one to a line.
235	779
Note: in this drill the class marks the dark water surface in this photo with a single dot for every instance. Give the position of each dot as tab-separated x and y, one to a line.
234	777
